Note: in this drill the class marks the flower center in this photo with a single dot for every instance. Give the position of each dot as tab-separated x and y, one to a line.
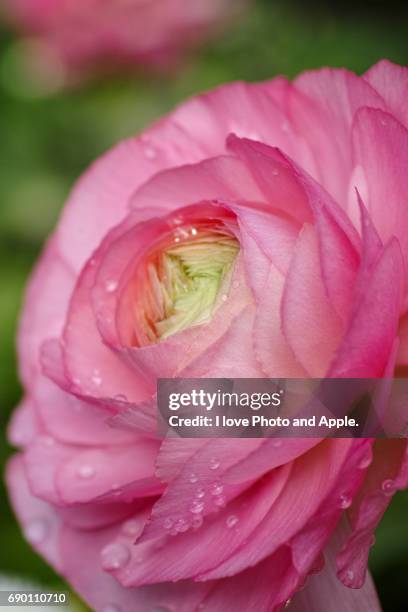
184	281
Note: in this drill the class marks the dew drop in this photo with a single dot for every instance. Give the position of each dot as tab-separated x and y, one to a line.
131	527
217	489
287	604
388	487
200	493
178	220
194	231
111	285
214	464
86	471
96	378
150	152
197	507
231	521
36	530
168	523
114	556
193	478
345	501
224	297
197	521
220	501
350	575
120	397
365	461
181	526
111	608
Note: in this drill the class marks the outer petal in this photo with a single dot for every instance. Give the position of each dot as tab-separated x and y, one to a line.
46	301
391	82
325	592
310	323
367	344
380	145
322	107
387	474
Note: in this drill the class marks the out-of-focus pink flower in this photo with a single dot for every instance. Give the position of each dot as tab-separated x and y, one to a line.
258	230
81	36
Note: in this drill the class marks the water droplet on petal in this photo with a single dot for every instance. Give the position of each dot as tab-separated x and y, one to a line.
220	501
36	530
150	152
231	521
365	461
193	478
120	397
214	464
111	608
217	489
114	556
388	487
350	575
111	286
86	471
197	506
181	526
131	527
287	604
96	378
197	521
345	501
168	523
200	493
224	297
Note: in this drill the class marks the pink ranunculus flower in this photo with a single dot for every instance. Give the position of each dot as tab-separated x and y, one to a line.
259	230
81	36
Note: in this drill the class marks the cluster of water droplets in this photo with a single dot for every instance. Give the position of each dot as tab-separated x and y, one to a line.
204	497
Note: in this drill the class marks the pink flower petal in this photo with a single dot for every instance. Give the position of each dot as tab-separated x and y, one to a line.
311	326
387	474
325	592
322	106
369	340
380	146
391	82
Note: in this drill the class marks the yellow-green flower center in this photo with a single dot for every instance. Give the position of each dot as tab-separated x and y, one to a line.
185	282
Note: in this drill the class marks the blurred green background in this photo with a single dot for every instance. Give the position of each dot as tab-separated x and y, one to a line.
46	142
